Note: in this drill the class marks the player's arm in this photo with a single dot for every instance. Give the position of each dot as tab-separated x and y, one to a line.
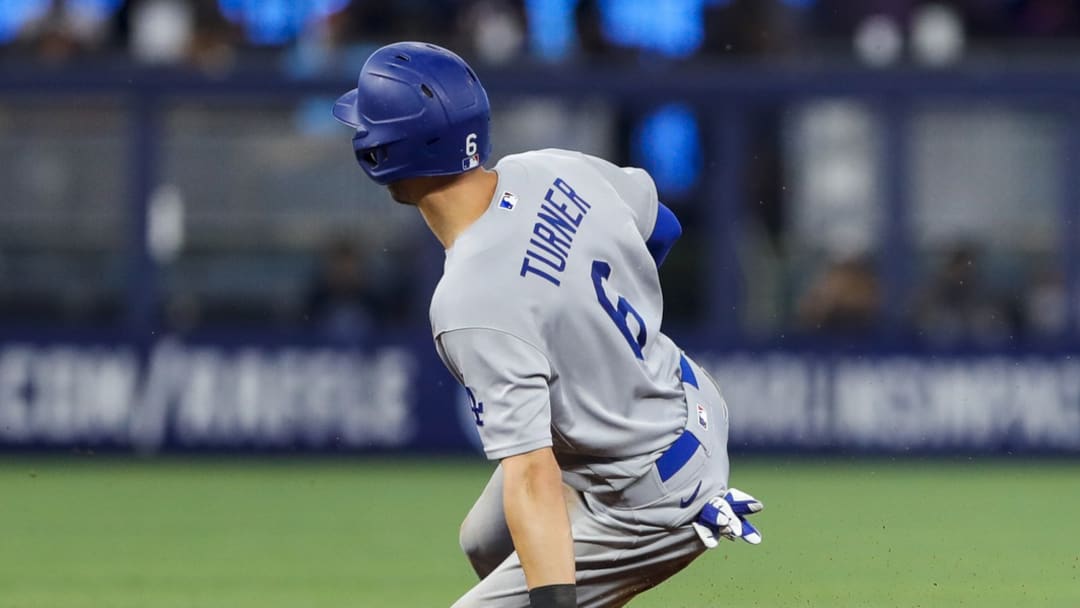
656	224
536	514
508	383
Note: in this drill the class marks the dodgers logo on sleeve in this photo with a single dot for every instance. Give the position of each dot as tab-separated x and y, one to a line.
477	407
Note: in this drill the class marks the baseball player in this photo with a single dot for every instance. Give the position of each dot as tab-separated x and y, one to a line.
548	313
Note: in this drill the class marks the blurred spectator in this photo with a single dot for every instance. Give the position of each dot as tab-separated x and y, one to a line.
592	41
161	31
179	32
182	312
1045	309
493	29
845	299
378	23
340	301
498	31
213	48
191	32
69	29
743	28
957	305
340	41
838	19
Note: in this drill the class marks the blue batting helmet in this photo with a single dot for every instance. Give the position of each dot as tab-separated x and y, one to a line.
418	110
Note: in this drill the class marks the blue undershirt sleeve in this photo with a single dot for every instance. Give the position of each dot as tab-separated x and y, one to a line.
665	232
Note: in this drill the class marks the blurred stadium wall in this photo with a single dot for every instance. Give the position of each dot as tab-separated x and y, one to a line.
881	202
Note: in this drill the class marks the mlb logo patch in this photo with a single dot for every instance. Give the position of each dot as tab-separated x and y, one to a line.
508	201
471	162
702	417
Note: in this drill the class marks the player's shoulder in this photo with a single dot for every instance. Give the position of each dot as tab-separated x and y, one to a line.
556	160
454	296
546	158
465	299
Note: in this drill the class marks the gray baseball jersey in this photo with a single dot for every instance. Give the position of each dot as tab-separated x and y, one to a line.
549	312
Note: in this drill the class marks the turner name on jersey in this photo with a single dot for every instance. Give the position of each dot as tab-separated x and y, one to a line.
553	233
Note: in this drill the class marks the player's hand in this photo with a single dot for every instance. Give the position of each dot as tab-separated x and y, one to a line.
725	517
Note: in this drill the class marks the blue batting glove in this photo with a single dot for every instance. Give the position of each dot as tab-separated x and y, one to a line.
725	517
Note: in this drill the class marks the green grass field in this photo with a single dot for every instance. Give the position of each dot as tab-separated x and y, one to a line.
113	533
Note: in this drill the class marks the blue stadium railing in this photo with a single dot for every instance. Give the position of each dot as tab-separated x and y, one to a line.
723	97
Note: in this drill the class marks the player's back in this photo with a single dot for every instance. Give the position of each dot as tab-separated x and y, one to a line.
559	262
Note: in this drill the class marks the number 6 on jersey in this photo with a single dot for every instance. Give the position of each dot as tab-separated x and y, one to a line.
619	312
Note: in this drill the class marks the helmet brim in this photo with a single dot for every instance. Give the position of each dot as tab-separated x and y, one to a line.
346	111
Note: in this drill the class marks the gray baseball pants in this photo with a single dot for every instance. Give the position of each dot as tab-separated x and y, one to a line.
623	545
